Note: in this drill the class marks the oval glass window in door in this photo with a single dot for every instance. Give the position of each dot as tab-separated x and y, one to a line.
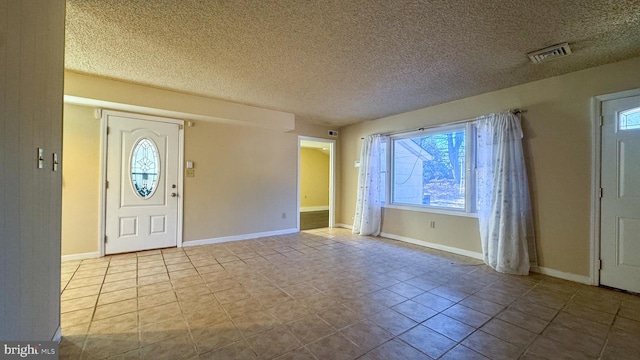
145	168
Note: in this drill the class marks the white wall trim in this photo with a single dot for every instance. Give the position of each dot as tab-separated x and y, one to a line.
314	208
451	249
344	226
81	256
57	337
239	237
562	275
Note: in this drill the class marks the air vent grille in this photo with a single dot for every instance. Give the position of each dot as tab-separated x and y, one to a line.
550	53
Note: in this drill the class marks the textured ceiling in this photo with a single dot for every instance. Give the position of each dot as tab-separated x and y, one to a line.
342	61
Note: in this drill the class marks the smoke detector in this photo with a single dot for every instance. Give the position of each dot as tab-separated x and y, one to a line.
550	53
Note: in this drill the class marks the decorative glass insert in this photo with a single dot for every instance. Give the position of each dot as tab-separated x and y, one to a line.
145	168
630	119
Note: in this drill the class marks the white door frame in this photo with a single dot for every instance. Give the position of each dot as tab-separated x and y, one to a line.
332	177
103	116
596	171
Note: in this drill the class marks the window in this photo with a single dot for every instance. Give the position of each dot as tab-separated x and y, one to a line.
630	119
144	168
429	169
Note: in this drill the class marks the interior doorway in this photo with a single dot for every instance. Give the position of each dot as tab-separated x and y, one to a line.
316	165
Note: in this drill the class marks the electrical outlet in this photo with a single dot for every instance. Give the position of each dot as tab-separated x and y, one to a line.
191	172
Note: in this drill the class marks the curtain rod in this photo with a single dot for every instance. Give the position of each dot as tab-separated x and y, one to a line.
514	111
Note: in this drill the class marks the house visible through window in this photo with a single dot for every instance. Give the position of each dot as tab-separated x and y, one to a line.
429	169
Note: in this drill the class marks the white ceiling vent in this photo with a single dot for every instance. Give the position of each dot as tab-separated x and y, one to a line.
550	53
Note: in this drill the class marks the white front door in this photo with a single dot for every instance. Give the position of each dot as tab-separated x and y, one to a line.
620	204
142	183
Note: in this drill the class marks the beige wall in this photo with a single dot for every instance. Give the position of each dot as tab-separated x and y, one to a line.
31	65
245	176
314	178
80	180
245	181
557	126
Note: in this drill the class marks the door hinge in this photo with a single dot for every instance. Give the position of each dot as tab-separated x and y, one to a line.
599	264
601	120
108	130
106	185
105	239
180	127
600	193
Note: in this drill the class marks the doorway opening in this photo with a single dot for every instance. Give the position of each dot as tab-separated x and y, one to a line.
316	169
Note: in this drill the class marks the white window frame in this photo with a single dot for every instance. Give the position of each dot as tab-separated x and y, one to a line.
470	170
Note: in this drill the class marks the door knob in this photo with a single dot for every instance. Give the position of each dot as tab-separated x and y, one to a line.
174	194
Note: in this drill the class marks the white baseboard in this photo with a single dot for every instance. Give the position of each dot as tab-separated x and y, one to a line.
451	249
314	208
344	226
562	275
537	269
57	337
82	256
239	237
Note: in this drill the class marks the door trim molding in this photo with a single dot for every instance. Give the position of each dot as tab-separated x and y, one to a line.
332	178
596	171
103	115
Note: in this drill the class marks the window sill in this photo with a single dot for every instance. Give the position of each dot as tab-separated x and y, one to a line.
431	210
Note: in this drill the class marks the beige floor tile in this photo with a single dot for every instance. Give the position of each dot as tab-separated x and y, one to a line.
393	321
525	321
180	347
125	324
161	331
255	323
309	329
78	303
215	337
340	316
117	308
551	349
461	352
415	311
273	342
329	294
428	341
156	299
69	294
335	347
123	275
118	285
449	327
366	334
492	347
76	317
118	295
238	350
152	279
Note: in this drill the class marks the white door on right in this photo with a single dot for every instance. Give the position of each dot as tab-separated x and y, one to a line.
620	207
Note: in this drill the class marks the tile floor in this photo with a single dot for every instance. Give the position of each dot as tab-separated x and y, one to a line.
326	294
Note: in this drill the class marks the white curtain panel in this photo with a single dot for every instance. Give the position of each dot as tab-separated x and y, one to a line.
504	206
368	207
